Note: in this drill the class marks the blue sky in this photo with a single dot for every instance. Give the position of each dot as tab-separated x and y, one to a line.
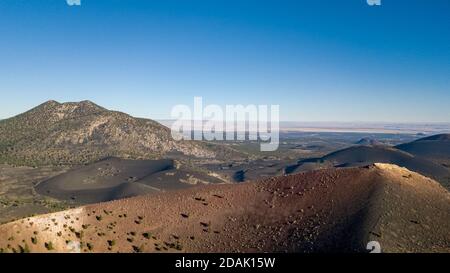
319	60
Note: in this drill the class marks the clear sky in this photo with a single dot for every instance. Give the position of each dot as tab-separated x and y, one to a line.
319	60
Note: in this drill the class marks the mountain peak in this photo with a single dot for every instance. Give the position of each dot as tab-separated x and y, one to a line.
81	107
50	103
80	132
85	104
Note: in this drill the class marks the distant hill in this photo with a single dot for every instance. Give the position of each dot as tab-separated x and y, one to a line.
368	142
435	148
366	155
82	132
335	210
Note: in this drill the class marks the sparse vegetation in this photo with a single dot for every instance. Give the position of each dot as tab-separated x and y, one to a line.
137	249
111	243
79	234
24	249
205	224
49	246
90	246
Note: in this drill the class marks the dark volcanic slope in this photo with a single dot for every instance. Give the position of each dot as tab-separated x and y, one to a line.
440	137
75	133
328	210
365	155
115	178
435	148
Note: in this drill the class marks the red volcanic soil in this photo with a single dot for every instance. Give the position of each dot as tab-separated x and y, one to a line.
321	211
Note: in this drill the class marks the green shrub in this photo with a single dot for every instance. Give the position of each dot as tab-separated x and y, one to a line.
49	246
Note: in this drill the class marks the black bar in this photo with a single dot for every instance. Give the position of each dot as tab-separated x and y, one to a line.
233	262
